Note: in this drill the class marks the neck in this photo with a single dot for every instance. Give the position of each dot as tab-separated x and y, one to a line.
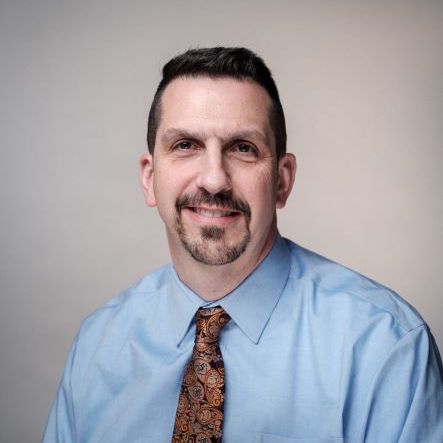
213	282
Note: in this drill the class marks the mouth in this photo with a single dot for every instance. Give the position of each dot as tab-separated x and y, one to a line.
212	216
212	209
213	212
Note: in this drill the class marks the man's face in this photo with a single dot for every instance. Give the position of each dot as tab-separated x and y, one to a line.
214	176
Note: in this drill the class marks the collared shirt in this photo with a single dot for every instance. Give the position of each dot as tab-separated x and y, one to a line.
313	352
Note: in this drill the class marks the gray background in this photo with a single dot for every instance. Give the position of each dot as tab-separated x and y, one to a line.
361	83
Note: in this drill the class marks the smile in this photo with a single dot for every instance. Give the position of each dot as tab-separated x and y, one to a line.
213	213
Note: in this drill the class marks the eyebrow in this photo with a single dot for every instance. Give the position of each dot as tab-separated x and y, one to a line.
251	134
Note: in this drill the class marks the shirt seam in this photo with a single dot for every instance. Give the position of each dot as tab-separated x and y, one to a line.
377	375
388	291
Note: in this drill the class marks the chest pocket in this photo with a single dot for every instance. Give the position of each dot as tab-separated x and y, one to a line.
270	438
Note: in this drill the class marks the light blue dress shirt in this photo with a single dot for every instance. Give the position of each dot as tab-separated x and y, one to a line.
314	353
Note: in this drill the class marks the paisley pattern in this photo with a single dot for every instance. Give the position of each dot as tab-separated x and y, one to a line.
200	406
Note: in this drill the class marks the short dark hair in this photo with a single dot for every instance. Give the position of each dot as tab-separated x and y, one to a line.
219	62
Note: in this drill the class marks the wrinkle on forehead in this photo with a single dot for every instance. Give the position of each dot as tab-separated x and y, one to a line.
225	109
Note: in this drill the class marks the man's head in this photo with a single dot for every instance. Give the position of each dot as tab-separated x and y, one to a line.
220	62
217	176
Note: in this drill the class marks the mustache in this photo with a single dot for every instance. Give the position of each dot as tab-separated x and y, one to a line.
221	199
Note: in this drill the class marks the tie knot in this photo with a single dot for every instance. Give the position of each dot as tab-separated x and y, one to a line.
210	322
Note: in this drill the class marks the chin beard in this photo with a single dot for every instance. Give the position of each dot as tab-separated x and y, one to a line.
211	248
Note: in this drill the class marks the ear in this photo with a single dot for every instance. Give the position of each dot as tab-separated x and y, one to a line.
287	167
147	178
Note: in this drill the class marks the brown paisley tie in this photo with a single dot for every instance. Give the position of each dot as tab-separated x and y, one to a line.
200	406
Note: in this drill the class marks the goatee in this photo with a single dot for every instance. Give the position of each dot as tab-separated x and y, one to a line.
212	247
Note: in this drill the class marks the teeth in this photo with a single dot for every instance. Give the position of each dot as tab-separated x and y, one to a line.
212	213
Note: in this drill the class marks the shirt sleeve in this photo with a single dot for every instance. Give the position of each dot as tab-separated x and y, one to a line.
60	427
405	400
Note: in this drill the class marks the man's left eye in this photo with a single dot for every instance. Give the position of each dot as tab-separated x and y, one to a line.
245	148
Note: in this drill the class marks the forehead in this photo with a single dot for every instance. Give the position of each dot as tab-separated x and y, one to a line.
214	105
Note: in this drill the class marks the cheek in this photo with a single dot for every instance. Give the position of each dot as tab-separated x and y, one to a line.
172	180
259	191
266	184
164	192
165	183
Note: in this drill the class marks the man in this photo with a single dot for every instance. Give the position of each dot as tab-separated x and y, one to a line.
289	346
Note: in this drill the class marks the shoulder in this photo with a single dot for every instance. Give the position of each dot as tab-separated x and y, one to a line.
348	293
113	321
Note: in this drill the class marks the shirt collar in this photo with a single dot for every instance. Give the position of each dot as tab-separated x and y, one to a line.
250	305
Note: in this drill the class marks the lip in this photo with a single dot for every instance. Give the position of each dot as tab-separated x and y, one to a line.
212	215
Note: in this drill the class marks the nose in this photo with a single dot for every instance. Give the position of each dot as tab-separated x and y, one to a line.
213	175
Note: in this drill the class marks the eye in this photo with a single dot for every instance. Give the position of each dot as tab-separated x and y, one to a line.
244	151
245	148
183	145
